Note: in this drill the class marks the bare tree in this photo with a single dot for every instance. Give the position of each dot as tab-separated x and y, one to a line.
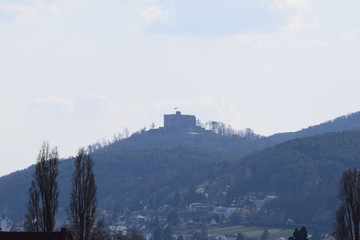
43	192
83	198
126	132
32	217
101	232
348	214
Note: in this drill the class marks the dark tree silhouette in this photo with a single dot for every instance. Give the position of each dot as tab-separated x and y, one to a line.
132	235
240	236
101	232
32	217
348	214
83	197
204	232
167	233
173	218
43	192
299	234
265	235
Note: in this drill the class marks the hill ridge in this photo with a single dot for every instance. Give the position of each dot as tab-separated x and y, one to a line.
147	166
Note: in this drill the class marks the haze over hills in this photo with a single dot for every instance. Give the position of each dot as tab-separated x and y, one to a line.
150	167
349	122
221	137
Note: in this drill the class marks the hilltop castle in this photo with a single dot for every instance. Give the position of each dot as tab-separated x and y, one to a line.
178	123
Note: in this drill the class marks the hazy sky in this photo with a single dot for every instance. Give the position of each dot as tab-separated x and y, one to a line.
75	71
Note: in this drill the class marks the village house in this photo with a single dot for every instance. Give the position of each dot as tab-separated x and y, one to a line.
198	207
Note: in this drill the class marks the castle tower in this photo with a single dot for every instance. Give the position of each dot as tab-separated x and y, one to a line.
179	122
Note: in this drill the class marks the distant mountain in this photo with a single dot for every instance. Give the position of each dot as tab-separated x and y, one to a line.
228	141
152	167
350	122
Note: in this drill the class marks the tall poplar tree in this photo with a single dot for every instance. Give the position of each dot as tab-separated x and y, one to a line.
43	192
83	198
347	225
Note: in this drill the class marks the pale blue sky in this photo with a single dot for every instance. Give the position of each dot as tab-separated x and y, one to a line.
75	71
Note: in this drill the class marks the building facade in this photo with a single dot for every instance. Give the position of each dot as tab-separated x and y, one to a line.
179	122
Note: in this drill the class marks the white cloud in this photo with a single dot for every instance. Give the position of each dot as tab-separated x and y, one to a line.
319	43
209	17
76	2
24	10
301	18
224	107
14	107
64	105
155	13
251	23
54	9
284	4
21	11
352	34
252	40
93	107
85	105
149	1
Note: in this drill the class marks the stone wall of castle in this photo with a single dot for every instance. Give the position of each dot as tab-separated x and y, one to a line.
179	122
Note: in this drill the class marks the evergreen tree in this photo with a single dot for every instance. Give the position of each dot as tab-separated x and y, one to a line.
299	234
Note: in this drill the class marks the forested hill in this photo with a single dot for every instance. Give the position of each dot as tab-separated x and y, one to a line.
304	173
223	139
150	166
350	122
234	144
